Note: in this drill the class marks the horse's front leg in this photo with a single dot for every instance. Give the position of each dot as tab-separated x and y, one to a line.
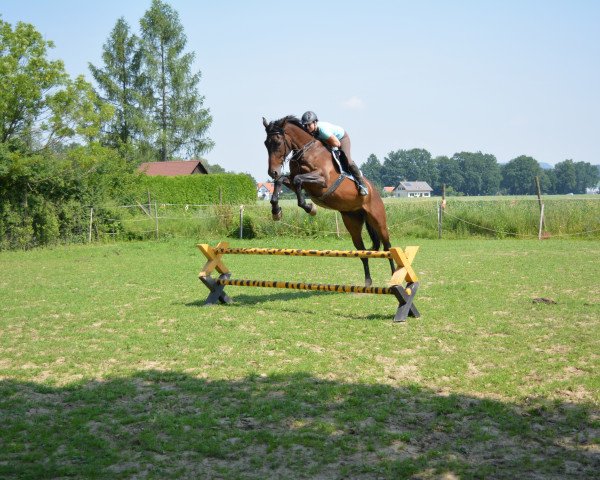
275	208
299	181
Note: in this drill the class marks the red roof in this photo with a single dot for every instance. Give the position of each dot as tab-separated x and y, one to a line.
388	189
171	169
269	186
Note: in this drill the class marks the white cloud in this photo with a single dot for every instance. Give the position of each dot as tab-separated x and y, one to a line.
354	103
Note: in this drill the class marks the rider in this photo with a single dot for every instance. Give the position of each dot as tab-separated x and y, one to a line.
334	137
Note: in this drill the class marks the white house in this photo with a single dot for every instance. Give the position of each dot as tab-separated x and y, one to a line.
412	190
264	190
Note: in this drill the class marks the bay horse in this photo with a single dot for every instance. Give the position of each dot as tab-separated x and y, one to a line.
311	168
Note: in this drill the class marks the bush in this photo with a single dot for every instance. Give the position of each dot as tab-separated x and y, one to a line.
210	189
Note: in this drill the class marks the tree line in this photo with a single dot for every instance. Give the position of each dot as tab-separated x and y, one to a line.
146	103
477	173
66	145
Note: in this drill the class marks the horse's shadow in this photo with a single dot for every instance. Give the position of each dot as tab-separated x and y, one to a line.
285	296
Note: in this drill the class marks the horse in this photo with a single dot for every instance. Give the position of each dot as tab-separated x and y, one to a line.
312	169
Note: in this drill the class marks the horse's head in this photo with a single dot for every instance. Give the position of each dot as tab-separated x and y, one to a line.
277	147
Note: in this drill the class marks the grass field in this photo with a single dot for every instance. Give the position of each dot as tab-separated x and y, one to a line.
110	367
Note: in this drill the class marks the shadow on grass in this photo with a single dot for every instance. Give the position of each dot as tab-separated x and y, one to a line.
170	425
286	295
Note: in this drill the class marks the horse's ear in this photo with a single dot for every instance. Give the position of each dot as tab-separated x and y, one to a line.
265	123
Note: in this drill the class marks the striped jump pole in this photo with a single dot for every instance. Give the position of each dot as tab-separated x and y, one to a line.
403	274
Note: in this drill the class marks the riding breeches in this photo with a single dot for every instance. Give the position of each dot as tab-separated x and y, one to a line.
345	147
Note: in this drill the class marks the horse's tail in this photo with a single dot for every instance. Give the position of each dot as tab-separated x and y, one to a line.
373	235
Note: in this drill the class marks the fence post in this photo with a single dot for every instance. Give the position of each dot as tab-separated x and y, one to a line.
337	226
441	207
241	221
156	218
539	196
541	222
440	220
91	220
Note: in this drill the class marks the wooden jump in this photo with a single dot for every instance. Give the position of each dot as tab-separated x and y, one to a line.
404	273
292	252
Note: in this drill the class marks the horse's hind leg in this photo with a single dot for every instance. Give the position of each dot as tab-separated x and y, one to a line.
376	218
354	223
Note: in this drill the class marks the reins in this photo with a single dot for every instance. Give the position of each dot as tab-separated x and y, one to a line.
291	155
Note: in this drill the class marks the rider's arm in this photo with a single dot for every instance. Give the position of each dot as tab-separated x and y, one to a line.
333	141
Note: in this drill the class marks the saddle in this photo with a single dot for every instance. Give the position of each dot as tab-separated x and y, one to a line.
341	163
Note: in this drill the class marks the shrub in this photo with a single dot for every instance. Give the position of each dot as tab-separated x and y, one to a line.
210	189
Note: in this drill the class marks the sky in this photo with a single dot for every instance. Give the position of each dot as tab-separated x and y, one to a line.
503	77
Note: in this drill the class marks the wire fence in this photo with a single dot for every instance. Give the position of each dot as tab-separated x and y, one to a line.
505	217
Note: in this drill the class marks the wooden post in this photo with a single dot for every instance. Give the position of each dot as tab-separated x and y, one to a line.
439	220
156	218
149	202
241	221
91	220
541	204
538	190
540	231
337	226
441	208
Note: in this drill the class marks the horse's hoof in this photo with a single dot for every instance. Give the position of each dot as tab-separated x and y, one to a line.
277	216
313	210
368	282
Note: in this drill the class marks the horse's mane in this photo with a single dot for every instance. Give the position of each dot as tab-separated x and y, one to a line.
277	125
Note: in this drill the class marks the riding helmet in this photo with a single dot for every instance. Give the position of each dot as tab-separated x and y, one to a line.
309	117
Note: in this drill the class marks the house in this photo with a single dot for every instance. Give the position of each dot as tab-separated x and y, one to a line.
388	191
174	168
264	190
412	190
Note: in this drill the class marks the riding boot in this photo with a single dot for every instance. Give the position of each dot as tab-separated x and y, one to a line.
360	183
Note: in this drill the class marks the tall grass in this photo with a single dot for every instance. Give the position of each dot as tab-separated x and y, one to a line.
487	217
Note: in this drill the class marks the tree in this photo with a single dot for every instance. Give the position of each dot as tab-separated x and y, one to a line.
586	175
449	174
177	118
518	175
372	170
121	83
481	173
412	165
391	170
40	106
419	166
566	177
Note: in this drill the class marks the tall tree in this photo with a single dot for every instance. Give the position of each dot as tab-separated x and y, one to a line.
412	165
587	176
372	170
392	171
449	174
121	83
419	166
179	120
40	106
566	177
518	175
481	173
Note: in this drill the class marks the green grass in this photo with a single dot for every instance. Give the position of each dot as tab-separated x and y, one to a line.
110	367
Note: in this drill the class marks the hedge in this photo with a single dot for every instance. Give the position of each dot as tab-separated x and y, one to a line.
198	189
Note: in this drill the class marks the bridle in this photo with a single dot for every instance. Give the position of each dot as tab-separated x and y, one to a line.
290	155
